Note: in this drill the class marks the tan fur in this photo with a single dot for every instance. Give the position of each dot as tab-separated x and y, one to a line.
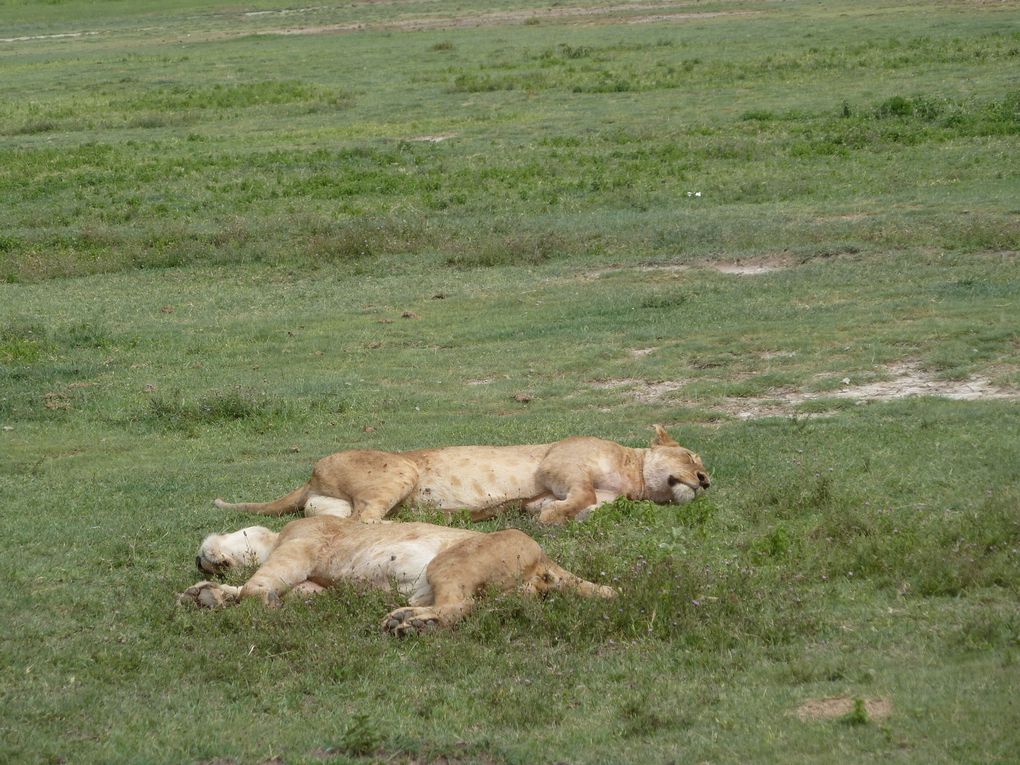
439	569
559	482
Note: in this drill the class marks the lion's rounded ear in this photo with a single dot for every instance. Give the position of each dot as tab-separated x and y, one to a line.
662	438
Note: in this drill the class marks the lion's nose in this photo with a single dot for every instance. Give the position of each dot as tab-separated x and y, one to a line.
703	480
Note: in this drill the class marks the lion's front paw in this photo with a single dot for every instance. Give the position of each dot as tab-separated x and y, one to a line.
208	595
409	621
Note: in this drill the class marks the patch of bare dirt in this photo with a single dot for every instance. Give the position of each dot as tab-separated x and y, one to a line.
280	12
639	353
667	17
844	217
840	706
60	36
745	269
438	138
754	409
640	390
669	268
910	380
905	380
754	267
618	382
751	266
652	392
57	400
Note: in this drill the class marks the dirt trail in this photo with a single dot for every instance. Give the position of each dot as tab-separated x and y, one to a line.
606	14
299	21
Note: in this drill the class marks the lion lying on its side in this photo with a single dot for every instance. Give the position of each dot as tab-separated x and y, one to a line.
560	481
439	569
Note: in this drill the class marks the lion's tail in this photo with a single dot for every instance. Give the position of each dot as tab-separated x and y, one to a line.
292	503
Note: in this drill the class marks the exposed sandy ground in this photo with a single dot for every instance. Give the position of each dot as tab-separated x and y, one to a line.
746	269
906	379
59	36
749	267
841	706
437	138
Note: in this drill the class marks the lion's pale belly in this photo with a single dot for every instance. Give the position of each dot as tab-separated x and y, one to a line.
400	564
478	477
392	562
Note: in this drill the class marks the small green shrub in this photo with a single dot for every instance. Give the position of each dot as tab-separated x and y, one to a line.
921	106
362	736
647	714
87	335
22	343
856	716
758	115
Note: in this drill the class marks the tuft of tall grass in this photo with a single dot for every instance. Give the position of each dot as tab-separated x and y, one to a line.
173	411
178	98
356	238
522	248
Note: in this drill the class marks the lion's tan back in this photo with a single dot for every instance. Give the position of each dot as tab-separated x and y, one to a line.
456	477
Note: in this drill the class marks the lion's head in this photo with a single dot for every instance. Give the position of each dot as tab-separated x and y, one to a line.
671	472
247	547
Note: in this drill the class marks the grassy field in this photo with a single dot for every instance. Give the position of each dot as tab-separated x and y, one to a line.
236	238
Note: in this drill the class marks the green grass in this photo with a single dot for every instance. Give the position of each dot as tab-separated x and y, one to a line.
125	152
211	233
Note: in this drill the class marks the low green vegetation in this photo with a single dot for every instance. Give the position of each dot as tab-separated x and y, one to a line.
227	250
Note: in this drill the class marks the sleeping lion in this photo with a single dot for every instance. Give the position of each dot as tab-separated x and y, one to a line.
438	568
559	482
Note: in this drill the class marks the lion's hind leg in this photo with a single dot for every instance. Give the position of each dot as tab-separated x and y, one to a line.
552	577
500	561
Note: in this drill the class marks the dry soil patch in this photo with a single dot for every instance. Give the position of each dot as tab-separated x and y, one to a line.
755	267
745	269
840	706
905	379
